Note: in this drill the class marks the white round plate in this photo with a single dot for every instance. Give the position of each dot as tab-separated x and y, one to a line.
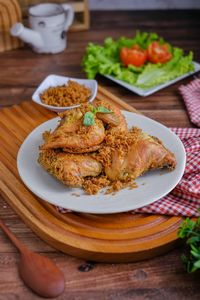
151	186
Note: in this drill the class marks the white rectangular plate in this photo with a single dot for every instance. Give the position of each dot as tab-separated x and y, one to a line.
147	92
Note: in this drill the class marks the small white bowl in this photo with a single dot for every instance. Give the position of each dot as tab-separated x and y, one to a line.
55	80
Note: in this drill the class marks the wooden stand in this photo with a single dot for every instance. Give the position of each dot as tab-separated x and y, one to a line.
10	14
82	19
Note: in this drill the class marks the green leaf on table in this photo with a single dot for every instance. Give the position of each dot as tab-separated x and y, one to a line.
197	264
189	231
186	228
193	239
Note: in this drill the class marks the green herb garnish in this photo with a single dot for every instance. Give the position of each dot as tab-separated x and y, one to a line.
89	119
102	109
190	231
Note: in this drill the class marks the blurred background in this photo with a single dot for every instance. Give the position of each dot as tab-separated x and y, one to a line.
143	5
125	4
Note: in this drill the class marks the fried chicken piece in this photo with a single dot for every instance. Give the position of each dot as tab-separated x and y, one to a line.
136	154
72	134
103	154
69	168
116	121
82	150
74	137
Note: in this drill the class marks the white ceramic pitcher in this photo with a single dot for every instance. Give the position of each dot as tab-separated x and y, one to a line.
48	25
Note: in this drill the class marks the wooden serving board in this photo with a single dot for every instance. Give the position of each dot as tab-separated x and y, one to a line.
121	237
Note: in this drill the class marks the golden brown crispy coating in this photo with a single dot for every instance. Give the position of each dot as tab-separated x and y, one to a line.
74	135
131	155
116	120
82	150
105	154
69	168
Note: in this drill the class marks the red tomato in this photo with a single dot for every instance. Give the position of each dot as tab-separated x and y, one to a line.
133	56
158	53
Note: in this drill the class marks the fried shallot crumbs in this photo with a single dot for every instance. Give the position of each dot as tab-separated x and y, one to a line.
94	184
71	93
116	141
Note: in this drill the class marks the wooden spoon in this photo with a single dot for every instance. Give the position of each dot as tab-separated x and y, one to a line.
39	273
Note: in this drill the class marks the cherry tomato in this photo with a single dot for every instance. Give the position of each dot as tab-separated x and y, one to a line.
158	53
133	56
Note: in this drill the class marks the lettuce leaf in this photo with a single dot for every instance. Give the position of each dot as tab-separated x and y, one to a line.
105	60
155	74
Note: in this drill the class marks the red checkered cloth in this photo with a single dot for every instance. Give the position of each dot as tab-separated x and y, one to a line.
184	200
191	96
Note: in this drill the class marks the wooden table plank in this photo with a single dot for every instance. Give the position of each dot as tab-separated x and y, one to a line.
148	280
21	71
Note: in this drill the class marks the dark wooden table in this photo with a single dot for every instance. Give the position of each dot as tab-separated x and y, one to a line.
21	71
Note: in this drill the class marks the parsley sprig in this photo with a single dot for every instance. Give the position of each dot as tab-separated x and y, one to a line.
190	231
89	119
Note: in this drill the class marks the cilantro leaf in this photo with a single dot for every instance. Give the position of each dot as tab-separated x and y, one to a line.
88	119
104	110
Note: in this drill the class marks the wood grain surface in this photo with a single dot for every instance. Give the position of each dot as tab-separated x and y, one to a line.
21	71
101	238
10	14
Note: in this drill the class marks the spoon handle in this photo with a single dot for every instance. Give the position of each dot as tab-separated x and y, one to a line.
12	237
